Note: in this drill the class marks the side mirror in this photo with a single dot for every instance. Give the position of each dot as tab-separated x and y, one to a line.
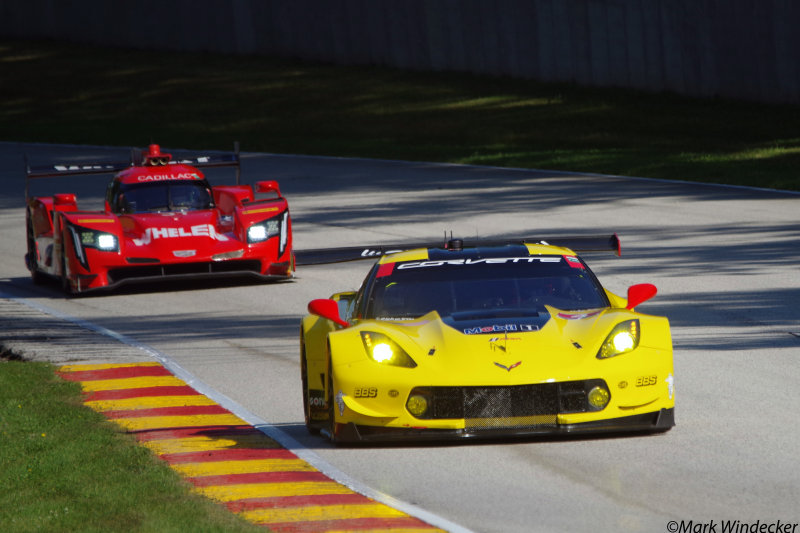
65	199
326	309
640	293
268	186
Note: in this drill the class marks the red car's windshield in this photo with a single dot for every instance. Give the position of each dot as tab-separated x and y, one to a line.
163	196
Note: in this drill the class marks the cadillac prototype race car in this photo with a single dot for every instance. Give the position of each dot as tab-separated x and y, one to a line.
161	220
486	340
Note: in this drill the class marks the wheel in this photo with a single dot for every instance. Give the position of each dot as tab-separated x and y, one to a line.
31	258
330	424
66	286
310	426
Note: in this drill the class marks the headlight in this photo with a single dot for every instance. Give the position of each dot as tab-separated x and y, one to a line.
622	339
106	241
382	349
264	230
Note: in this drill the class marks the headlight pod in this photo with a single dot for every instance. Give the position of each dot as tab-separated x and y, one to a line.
83	238
100	240
623	338
266	229
381	349
263	231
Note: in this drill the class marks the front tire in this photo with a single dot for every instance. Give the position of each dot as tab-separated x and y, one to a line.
310	426
330	425
66	285
31	260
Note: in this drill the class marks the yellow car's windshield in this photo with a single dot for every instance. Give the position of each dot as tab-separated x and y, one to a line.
496	286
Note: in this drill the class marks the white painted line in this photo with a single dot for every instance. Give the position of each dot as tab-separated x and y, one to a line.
284	439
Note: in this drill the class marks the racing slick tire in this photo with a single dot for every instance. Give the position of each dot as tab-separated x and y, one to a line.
330	424
66	285
30	259
312	428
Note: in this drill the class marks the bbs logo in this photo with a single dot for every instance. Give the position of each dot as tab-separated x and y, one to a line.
646	381
365	392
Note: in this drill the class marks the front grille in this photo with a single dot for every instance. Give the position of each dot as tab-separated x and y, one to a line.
489	406
509	422
182	269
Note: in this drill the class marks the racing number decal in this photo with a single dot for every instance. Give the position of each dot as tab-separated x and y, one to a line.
365	392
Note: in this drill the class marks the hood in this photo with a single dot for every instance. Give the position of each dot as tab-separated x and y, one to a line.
501	348
192	233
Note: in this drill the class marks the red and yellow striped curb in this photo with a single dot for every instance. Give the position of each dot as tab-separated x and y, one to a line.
227	459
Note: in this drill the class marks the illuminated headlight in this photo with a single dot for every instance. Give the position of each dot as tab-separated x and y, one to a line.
257	233
417	405
622	339
264	230
382	349
106	241
598	398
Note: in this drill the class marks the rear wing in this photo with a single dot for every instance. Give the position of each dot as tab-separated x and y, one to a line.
231	159
580	244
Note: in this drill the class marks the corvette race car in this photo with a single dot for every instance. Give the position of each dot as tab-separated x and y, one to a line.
485	340
161	220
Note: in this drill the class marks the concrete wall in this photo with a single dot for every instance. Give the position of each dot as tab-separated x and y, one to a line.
744	49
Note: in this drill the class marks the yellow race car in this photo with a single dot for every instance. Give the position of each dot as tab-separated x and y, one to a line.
486	340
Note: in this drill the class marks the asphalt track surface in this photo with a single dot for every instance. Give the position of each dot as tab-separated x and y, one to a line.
725	261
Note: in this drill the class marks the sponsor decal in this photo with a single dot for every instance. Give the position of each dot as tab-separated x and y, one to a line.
65	168
170	176
646	381
487	261
316	398
201	230
495	328
508	368
501	343
365	392
340	402
368	252
184	253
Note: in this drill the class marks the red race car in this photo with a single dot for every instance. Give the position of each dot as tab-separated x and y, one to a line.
161	220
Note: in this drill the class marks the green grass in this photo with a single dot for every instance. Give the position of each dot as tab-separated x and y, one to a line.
60	93
63	467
